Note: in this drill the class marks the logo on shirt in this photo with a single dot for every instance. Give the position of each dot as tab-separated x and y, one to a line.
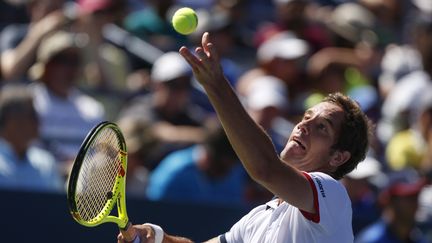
320	187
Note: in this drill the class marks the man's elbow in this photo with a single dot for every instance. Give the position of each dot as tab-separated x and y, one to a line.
261	174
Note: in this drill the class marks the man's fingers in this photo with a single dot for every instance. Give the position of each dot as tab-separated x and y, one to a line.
212	52
120	238
189	57
205	41
202	55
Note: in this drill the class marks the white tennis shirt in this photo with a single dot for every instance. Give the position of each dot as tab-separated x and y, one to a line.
285	223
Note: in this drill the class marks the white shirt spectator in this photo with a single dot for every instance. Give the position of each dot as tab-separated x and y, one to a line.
66	122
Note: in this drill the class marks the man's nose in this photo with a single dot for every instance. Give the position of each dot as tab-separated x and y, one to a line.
304	127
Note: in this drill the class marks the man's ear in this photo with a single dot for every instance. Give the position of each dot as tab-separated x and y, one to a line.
339	158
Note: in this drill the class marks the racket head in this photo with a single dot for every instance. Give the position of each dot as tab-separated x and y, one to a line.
97	179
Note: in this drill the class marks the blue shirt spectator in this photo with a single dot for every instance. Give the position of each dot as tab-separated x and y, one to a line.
23	166
35	171
204	173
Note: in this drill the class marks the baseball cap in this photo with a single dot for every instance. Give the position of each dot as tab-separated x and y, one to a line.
423	5
369	167
169	66
283	45
267	91
353	22
405	182
51	46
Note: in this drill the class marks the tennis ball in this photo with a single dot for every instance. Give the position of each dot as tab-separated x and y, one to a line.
185	21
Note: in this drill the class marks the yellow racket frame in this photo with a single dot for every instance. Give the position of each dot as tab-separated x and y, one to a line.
118	190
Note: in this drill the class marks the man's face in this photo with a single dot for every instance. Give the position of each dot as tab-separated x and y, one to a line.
173	95
309	147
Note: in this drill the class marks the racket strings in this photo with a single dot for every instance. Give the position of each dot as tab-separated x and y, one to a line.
98	174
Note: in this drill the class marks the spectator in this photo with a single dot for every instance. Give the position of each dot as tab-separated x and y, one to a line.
219	24
141	143
411	148
208	172
405	95
362	185
390	16
23	166
66	114
105	65
266	102
399	201
281	56
296	16
153	24
176	122
336	69
19	42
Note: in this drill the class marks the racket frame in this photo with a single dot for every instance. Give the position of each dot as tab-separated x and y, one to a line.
118	190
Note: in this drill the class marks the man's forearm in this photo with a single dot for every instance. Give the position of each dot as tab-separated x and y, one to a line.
175	239
251	143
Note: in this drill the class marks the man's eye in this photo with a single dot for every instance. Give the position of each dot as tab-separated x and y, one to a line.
321	126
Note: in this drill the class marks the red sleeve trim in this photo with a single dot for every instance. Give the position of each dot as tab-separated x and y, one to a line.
314	217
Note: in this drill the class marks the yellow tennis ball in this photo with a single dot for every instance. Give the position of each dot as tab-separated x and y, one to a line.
185	21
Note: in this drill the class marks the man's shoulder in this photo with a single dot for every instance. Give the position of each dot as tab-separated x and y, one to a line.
327	186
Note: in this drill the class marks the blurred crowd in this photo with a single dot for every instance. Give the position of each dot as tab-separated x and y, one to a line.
67	65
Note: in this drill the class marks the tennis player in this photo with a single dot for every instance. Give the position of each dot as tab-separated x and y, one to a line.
310	204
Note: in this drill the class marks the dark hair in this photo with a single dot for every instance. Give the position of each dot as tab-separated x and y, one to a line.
354	134
218	144
15	100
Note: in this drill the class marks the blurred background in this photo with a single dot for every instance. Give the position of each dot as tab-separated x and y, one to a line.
67	65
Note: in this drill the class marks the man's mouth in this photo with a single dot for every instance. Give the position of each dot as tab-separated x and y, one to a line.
299	143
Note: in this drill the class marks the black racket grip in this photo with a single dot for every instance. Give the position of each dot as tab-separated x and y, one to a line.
130	235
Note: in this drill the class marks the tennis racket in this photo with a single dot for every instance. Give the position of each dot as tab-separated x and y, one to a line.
97	180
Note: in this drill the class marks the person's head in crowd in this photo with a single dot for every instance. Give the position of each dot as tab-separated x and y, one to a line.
140	141
220	26
266	99
18	118
365	179
397	61
58	62
352	24
142	144
171	83
399	198
291	13
388	12
282	55
362	185
288	15
327	68
220	156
